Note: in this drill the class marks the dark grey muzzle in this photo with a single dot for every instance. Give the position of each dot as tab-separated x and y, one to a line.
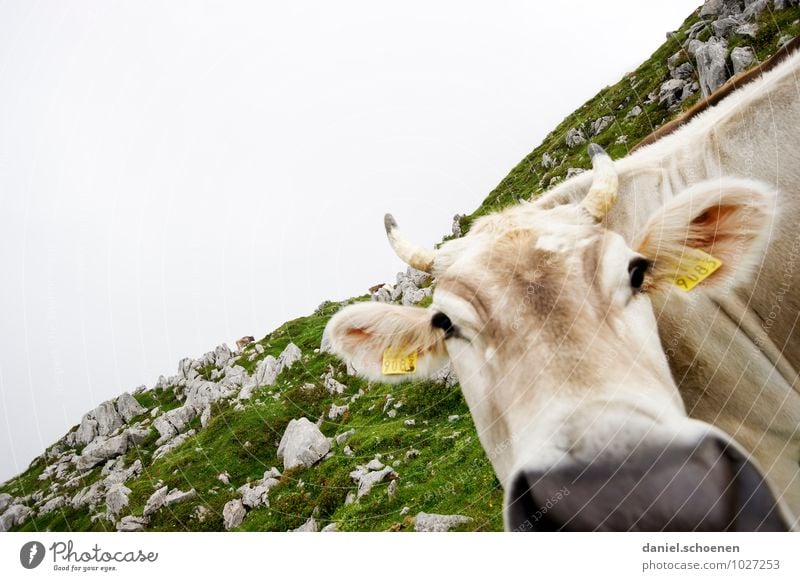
707	487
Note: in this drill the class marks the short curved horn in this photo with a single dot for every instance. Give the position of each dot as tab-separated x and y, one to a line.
605	184
415	256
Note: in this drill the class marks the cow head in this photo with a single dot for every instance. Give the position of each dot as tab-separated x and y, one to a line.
545	316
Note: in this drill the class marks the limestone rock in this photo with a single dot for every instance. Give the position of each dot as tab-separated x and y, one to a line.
742	58
438	523
575	137
14	516
310	526
302	444
100	450
128	407
117	498
233	514
132	524
711	65
156	501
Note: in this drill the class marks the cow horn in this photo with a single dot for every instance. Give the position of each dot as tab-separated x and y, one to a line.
605	184
415	256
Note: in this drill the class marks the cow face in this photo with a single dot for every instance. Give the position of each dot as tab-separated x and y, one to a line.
545	317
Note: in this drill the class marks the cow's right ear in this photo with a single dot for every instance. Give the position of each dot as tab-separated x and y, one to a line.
363	333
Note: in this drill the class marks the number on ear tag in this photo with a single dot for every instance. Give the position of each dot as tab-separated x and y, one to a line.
695	267
398	362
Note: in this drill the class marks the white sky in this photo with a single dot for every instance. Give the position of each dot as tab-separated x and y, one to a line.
174	175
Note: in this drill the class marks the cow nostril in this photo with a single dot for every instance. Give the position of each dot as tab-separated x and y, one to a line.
443	322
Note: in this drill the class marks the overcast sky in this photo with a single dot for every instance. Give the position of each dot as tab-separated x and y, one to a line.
174	175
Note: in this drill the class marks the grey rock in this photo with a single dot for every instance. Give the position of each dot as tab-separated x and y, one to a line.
693	46
383	294
331	528
272	473
455	229
634	112
288	357
128	407
347	451
177	496
254	496
438	523
711	69
137	435
344	436
332	386
404	511
156	501
108	419
310	526
722	7
165	429
172	444
750	29
754	9
599	125
784	4
100	450
53	504
87	430
225	478
337	411
367	480
670	92
724	26
684	71
302	444
14	516
410	423
132	524
117	498
391	490
742	57
233	514
266	371
575	137
5	501
374	464
88	496
548	161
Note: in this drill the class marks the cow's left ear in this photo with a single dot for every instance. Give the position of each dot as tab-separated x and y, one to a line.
387	343
713	233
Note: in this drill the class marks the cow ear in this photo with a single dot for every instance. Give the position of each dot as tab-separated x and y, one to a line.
367	335
713	233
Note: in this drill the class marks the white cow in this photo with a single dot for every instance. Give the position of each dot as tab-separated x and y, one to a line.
551	312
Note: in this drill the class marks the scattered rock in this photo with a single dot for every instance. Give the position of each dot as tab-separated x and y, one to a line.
225	478
302	444
742	58
670	92
100	450
233	514
177	496
599	125
132	524
344	436
391	490
310	526
14	516
438	523
634	112
575	137
337	411
367	480
684	71
128	407
53	504
711	69
548	161
5	501
117	498
156	501
331	528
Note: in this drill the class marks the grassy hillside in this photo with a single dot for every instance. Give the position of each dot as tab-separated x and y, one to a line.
422	430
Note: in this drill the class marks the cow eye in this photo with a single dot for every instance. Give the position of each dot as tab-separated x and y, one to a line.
443	322
636	270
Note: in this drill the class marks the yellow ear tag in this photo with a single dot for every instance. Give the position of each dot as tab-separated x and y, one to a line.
398	362
695	267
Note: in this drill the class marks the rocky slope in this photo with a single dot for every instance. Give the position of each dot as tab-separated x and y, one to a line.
281	437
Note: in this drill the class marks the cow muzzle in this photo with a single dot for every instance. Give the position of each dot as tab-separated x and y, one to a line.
711	486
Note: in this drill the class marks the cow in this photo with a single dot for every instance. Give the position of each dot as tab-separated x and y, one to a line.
244	342
599	387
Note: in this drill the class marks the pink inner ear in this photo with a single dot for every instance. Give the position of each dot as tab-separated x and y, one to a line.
714	225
